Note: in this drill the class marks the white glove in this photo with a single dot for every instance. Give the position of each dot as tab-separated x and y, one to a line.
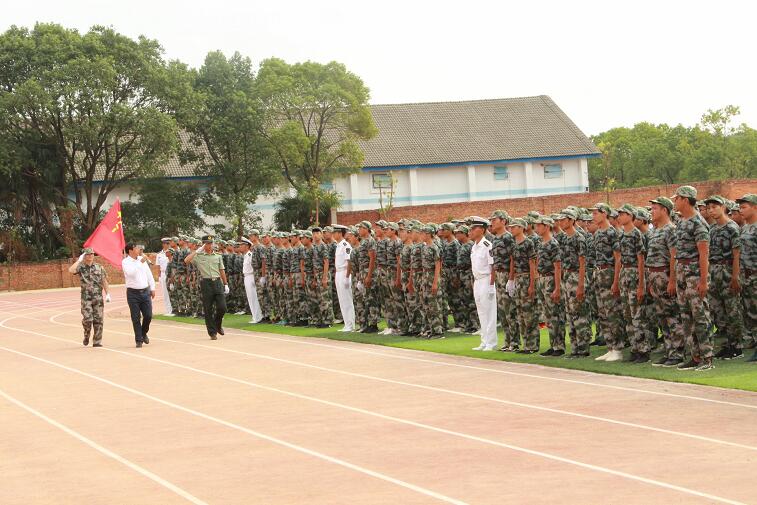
510	287
359	286
107	297
492	291
170	287
81	258
226	289
262	281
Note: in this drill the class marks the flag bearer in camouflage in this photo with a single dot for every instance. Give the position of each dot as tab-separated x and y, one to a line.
353	271
468	311
748	257
331	244
409	326
321	271
393	302
692	243
573	287
607	255
431	265
503	244
450	245
523	273
631	286
549	268
661	285
93	281
367	279
724	295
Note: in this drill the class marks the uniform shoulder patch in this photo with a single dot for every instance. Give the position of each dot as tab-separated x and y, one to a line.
348	250
487	243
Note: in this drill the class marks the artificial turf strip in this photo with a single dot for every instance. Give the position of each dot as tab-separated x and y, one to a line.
734	374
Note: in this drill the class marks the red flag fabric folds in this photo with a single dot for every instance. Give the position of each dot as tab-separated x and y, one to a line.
108	238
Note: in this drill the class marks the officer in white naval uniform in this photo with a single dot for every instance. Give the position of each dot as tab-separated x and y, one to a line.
249	281
484	289
162	260
343	285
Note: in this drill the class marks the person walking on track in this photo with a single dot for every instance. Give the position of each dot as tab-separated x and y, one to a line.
214	285
93	282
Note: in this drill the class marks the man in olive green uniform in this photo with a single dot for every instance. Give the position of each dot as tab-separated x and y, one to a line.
213	285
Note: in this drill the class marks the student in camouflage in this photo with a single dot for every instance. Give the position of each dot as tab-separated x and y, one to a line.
93	281
573	287
631	285
431	269
328	239
748	258
367	281
394	299
523	274
450	246
724	295
469	313
409	326
322	277
503	245
692	243
380	273
549	268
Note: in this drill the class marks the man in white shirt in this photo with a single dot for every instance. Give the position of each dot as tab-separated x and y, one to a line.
484	289
342	280
162	260
248	270
140	291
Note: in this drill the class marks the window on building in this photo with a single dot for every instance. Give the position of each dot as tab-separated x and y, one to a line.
552	171
500	173
327	186
381	181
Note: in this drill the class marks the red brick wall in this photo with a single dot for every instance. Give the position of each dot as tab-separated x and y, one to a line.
547	204
52	274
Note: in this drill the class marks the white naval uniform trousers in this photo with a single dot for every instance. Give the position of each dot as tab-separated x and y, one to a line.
343	286
250	289
162	261
486	305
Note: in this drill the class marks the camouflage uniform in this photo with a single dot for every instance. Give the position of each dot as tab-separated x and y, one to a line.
358	296
606	243
631	245
694	311
664	306
467	303
725	305
394	298
286	292
259	254
526	307
449	279
416	264
298	293
92	278
171	282
576	312
312	290
411	304
322	299
547	255
432	326
371	305
748	262
379	279
502	250
336	309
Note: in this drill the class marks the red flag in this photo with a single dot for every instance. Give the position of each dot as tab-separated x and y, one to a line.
108	238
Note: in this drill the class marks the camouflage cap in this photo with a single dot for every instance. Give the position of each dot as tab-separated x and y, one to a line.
602	207
533	214
700	203
462	229
642	214
717	199
352	230
174	239
88	250
428	229
254	231
500	214
170	250
628	209
381	223
328	229
732	206
586	216
544	220
365	224
518	221
448	226
306	234
567	214
686	192
664	201
748	198
555	216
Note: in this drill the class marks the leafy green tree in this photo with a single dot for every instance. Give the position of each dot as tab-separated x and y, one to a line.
295	212
225	121
159	208
316	116
97	99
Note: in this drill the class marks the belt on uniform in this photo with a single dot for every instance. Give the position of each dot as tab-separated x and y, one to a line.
629	265
571	270
687	261
210	278
604	267
521	273
500	270
748	272
658	269
723	262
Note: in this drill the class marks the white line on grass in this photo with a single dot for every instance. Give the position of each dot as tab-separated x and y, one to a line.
107	452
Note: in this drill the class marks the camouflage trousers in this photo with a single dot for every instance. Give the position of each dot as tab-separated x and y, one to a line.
393	302
264	296
506	313
92	315
180	295
591	295
451	297
336	309
749	298
300	305
694	311
171	282
289	295
468	311
576	313
527	310
665	313
282	296
382	278
631	307
725	305
358	300
431	324
238	293
608	311
545	286
319	298
411	319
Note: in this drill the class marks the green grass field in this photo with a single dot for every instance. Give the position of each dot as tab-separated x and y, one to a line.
735	374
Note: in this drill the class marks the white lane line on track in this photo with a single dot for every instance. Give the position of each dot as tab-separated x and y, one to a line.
107	452
257	434
400	351
382	416
434	388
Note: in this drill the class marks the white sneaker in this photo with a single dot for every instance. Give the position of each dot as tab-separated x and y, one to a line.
488	349
387	331
338	321
455	330
603	357
170	314
479	348
614	356
346	330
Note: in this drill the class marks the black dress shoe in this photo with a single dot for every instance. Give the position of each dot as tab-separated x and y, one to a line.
139	344
85	341
371	329
548	352
146	339
220	331
599	341
558	352
213	336
97	345
643	357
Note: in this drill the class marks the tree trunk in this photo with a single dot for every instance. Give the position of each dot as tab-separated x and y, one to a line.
317	211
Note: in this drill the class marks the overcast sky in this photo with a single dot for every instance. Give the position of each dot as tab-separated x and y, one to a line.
605	63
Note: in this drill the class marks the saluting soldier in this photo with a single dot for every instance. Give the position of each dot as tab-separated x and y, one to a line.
213	284
93	281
